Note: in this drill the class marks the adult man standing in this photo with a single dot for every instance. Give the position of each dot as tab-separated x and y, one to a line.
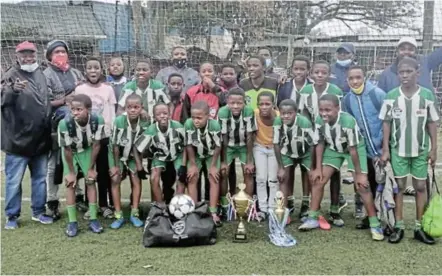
26	130
179	66
345	55
61	79
266	54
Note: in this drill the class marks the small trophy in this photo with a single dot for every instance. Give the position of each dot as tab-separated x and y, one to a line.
277	221
241	201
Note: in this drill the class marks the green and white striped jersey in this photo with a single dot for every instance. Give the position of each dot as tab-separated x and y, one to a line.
153	94
340	136
124	136
204	140
309	101
294	141
409	118
237	129
78	138
164	146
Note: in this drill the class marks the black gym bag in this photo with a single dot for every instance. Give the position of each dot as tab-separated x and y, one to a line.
162	229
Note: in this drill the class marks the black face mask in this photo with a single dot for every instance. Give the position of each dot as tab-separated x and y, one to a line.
179	63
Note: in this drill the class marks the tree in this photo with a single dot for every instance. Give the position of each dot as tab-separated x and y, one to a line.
254	20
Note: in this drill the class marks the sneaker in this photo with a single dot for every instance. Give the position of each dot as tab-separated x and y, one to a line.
216	220
336	219
291	205
72	229
342	202
107	212
117	223
409	191
11	223
309	224
377	234
87	215
53	210
323	223
136	221
81	204
359	207
304	211
262	216
94	226
43	219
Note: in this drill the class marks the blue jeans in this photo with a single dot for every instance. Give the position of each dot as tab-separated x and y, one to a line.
15	167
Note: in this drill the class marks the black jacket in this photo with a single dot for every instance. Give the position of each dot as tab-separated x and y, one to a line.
26	124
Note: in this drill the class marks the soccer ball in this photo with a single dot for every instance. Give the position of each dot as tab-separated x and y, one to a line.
181	205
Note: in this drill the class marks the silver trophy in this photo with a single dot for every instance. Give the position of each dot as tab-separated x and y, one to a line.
277	221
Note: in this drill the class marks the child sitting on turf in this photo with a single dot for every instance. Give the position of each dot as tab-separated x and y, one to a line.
237	129
203	144
164	140
338	139
410	131
264	154
79	136
293	137
124	159
151	91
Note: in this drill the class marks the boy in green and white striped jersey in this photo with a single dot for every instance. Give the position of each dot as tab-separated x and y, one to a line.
410	132
237	129
203	144
338	140
164	142
79	136
125	160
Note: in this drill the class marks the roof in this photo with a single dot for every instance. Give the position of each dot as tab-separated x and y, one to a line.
46	22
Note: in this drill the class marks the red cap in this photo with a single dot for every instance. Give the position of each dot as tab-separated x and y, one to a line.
25	46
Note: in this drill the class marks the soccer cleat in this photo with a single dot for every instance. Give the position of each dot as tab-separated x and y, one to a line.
409	191
262	216
342	202
53	210
136	221
359	207
336	219
216	220
94	226
87	215
323	223
107	212
309	224
396	236
304	211
11	223
363	224
117	223
421	236
43	219
72	229
81	204
377	233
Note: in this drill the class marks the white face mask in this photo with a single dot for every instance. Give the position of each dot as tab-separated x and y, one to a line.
345	62
268	62
29	67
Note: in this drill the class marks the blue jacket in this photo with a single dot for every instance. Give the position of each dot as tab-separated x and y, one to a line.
285	91
389	79
365	109
339	76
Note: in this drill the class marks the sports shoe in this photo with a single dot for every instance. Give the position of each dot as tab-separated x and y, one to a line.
87	215
72	229
107	212
309	224
43	219
261	216
323	223
359	207
81	204
53	210
11	223
136	221
117	223
377	234
336	219
409	191
94	226
342	202
304	211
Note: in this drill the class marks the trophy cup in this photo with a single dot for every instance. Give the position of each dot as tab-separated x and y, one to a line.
279	210
277	221
241	202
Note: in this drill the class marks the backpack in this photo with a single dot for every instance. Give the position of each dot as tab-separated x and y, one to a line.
432	219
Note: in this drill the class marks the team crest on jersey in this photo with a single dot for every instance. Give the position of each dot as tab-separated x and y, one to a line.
396	113
421	112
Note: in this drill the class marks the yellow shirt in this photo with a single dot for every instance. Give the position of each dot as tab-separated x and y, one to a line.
264	135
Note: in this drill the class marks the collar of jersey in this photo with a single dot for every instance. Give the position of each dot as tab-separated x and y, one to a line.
168	127
88	120
304	85
337	121
325	90
129	125
405	96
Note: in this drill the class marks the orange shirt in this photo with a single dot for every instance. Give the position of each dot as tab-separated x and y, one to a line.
264	135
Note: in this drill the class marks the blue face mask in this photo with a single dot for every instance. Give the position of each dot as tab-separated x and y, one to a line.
344	63
268	62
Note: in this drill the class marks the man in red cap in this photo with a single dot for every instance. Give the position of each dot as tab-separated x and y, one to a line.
25	133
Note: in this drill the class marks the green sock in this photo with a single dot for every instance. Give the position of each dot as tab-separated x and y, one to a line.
93	210
213	210
313	214
374	222
118	214
134	212
72	213
417	225
224	202
305	200
399	224
334	208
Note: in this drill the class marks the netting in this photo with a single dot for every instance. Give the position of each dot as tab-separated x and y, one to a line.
221	31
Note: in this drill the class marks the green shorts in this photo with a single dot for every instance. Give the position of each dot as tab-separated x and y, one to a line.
305	161
335	159
131	165
207	161
162	164
81	160
417	167
237	152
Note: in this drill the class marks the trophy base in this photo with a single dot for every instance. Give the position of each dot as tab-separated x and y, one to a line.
240	238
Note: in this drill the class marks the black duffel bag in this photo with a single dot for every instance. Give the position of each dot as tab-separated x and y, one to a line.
162	229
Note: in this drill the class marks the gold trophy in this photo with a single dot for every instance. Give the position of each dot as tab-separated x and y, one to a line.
279	209
241	201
